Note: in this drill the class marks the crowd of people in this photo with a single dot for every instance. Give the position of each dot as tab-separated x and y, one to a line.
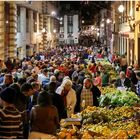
40	90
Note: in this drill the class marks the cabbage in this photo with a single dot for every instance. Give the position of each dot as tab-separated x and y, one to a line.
119	98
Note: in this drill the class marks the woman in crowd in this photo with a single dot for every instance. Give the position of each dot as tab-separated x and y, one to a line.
68	94
98	79
44	117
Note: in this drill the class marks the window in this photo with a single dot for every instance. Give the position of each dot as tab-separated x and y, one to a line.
70	29
18	19
70	20
61	29
27	20
35	21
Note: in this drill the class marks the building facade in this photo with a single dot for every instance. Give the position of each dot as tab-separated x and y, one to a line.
22	26
126	30
69	29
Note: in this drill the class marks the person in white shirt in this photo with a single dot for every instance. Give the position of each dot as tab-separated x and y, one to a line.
43	77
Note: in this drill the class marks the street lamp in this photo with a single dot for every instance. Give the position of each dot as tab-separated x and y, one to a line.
102	25
131	21
54	30
83	21
53	13
61	19
108	21
121	8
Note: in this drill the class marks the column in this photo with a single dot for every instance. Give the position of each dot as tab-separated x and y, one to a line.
13	30
128	51
49	31
38	33
45	33
41	28
2	30
31	31
23	30
120	45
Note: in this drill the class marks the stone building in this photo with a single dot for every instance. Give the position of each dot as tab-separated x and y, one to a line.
24	27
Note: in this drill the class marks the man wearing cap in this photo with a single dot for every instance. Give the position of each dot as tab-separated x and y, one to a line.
10	117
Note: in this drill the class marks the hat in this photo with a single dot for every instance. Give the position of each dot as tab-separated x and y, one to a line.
8	95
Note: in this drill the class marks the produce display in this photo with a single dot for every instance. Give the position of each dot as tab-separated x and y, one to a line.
113	74
108	89
104	62
103	123
119	98
118	123
117	116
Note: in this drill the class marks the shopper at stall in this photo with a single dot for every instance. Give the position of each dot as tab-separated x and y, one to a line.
68	94
57	100
98	79
44	116
89	94
105	78
123	81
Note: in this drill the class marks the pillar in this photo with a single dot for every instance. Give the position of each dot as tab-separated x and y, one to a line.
38	33
23	30
13	30
41	28
31	31
45	33
2	30
128	51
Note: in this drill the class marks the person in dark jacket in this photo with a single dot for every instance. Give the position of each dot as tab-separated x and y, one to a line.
20	101
10	117
8	80
123	81
44	116
28	92
89	94
57	100
77	87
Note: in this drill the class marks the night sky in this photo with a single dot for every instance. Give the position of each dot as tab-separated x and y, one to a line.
88	8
